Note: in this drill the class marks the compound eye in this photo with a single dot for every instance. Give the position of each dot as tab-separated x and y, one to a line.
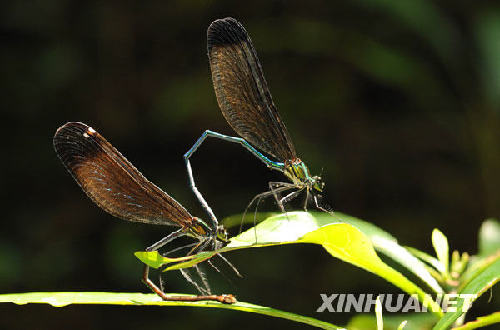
222	233
319	185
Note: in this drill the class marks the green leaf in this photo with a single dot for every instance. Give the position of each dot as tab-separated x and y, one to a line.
341	239
440	243
60	299
337	236
459	262
281	228
388	245
156	260
427	258
481	322
484	279
381	240
347	243
489	237
401	255
477	267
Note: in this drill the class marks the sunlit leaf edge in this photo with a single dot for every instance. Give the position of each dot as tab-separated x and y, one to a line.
61	299
481	321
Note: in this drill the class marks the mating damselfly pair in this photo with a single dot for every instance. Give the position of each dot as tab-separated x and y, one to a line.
117	187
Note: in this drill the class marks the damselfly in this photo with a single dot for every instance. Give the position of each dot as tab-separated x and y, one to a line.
247	105
117	187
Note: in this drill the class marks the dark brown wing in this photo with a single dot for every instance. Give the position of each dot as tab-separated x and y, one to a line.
242	91
111	181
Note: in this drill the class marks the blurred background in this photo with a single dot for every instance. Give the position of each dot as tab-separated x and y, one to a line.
395	103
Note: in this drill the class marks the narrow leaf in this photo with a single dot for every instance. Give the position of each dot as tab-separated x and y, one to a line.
440	243
61	299
481	322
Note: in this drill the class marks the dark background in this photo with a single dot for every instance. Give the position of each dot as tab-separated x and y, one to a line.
395	103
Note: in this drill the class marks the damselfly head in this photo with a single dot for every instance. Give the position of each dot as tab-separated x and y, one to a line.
222	234
317	184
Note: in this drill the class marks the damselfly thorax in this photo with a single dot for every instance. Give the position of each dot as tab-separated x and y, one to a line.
297	171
